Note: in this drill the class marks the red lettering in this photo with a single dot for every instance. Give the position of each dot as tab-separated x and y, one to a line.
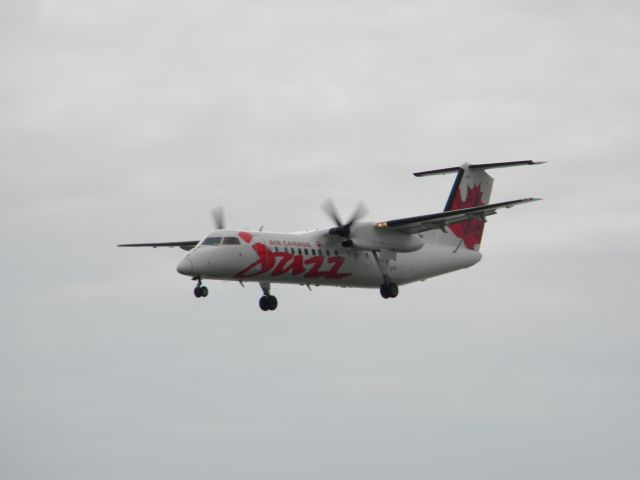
266	261
337	263
281	263
316	263
288	263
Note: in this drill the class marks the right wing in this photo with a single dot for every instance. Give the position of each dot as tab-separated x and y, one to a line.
440	220
186	245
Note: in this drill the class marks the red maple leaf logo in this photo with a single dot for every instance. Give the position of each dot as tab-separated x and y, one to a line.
470	231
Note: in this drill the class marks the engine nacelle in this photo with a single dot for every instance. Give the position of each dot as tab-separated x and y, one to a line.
366	237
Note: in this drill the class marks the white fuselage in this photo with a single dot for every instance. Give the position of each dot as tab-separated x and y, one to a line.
317	258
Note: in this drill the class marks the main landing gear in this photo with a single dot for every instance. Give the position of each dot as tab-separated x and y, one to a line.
267	301
200	291
389	290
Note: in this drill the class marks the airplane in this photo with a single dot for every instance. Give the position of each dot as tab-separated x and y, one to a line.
380	255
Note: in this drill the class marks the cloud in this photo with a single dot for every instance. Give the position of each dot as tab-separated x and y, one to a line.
128	121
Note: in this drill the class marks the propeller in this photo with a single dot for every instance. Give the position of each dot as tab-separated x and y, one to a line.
217	214
343	229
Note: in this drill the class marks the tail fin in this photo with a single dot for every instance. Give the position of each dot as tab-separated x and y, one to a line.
471	188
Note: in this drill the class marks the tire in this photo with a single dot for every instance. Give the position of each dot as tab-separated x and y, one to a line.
204	291
264	303
384	290
197	292
393	290
273	302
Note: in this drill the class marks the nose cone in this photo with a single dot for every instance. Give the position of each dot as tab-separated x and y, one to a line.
185	267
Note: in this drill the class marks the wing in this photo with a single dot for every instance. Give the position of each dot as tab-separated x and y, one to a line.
186	245
440	220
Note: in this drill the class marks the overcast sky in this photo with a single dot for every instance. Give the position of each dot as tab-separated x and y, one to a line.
127	121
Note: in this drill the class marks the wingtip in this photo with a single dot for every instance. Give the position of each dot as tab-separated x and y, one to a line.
533	162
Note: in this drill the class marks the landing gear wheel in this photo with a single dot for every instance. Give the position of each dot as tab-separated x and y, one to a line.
389	290
273	302
268	302
264	303
200	291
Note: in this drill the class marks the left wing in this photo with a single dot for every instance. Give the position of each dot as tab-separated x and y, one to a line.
440	220
186	245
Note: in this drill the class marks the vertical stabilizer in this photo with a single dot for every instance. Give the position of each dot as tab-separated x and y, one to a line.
472	188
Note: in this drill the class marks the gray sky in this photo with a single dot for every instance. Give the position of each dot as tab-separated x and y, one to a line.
127	121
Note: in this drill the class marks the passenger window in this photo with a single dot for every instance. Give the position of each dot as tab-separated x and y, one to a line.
212	241
299	252
231	241
306	252
313	251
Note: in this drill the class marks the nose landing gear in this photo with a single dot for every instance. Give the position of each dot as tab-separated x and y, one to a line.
200	291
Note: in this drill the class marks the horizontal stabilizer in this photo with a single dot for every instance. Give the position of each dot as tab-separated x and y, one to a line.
480	166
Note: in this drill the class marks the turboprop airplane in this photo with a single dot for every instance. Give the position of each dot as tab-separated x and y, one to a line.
352	254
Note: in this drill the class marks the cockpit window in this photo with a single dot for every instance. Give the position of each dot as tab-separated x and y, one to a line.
221	241
212	241
231	241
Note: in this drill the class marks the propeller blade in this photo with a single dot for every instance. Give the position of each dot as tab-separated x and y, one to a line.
330	209
343	229
360	212
218	217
